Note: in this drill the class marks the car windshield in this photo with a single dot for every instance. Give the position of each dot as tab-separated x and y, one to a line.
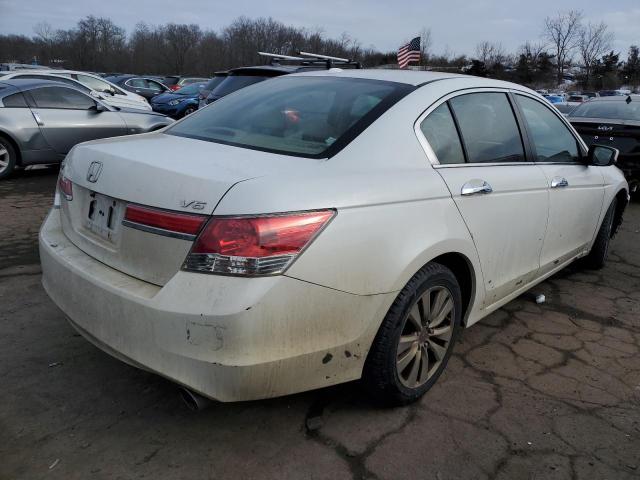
312	117
192	89
620	110
235	82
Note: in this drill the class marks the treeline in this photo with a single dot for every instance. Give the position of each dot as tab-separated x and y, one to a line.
99	45
567	48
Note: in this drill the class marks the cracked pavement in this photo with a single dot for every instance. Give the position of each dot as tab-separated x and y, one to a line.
548	391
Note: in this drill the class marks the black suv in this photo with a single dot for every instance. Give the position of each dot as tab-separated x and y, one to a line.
241	77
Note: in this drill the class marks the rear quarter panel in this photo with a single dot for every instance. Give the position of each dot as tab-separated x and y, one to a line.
394	213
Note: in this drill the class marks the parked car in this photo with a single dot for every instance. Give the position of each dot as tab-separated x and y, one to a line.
555	99
238	78
211	84
10	67
613	121
146	87
175	82
591	94
88	83
180	103
324	227
610	93
577	99
40	121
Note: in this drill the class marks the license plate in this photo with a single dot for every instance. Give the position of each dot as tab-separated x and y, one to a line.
103	216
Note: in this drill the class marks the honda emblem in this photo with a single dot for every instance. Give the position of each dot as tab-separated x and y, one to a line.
94	171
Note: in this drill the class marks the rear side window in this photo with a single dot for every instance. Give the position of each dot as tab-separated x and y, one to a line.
15	100
551	138
59	97
488	127
310	117
137	83
440	131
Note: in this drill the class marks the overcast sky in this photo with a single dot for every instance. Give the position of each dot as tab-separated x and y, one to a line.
456	25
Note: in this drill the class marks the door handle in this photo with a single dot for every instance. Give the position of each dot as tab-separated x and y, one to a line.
37	118
475	187
559	182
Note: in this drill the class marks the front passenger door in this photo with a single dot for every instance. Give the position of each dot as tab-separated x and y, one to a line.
67	117
502	197
575	189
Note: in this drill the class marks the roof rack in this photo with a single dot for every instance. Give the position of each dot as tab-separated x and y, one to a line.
311	59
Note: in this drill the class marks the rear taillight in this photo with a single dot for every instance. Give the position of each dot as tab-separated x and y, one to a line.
260	245
164	222
65	187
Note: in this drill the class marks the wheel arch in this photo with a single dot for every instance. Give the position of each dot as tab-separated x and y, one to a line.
462	268
622	199
7	136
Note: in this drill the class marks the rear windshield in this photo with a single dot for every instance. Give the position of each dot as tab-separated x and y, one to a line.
214	82
609	109
168	81
235	82
312	117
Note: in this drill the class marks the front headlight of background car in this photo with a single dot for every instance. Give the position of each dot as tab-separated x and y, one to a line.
175	102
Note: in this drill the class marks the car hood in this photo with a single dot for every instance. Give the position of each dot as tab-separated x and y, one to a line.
138	111
167	97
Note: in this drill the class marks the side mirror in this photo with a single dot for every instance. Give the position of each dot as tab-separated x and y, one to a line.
98	108
602	155
96	94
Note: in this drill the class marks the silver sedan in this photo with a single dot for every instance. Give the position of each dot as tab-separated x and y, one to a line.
40	121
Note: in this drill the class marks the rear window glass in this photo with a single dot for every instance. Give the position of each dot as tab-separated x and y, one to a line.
214	82
609	109
14	100
311	117
236	82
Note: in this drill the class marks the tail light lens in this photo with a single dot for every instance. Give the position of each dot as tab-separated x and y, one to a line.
164	222
65	186
253	246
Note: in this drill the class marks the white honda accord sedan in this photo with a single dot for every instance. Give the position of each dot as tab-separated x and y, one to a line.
323	227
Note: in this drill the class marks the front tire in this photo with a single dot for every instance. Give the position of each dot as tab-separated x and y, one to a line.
598	255
416	338
189	111
7	158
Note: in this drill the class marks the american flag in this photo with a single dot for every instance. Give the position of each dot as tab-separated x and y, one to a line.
409	53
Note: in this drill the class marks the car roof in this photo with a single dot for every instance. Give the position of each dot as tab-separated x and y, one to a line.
409	77
24	84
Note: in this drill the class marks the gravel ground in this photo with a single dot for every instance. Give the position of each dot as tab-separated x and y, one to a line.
547	391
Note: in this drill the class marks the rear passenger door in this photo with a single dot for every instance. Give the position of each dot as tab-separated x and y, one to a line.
67	117
576	190
502	196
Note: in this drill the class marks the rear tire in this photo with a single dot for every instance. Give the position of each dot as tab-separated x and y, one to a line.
414	342
8	158
598	255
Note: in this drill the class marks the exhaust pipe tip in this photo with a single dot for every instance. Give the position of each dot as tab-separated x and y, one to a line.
194	401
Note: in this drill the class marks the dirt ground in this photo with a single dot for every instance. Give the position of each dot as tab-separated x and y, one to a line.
547	391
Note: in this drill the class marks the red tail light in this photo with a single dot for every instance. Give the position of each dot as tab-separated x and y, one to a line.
183	225
66	187
261	245
174	87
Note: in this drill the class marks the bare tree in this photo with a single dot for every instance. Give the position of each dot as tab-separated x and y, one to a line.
425	45
180	40
563	31
491	54
595	41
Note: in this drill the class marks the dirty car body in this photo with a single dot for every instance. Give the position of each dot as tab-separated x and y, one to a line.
269	259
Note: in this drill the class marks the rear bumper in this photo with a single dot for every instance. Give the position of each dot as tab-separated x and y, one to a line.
225	337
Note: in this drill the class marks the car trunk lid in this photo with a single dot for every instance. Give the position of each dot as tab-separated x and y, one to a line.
161	171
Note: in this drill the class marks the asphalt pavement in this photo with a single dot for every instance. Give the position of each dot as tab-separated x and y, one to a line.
549	391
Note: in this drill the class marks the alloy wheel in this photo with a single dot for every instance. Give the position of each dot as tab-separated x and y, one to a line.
425	337
4	158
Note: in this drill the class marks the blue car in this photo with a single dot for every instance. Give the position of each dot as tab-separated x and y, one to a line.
554	98
179	103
